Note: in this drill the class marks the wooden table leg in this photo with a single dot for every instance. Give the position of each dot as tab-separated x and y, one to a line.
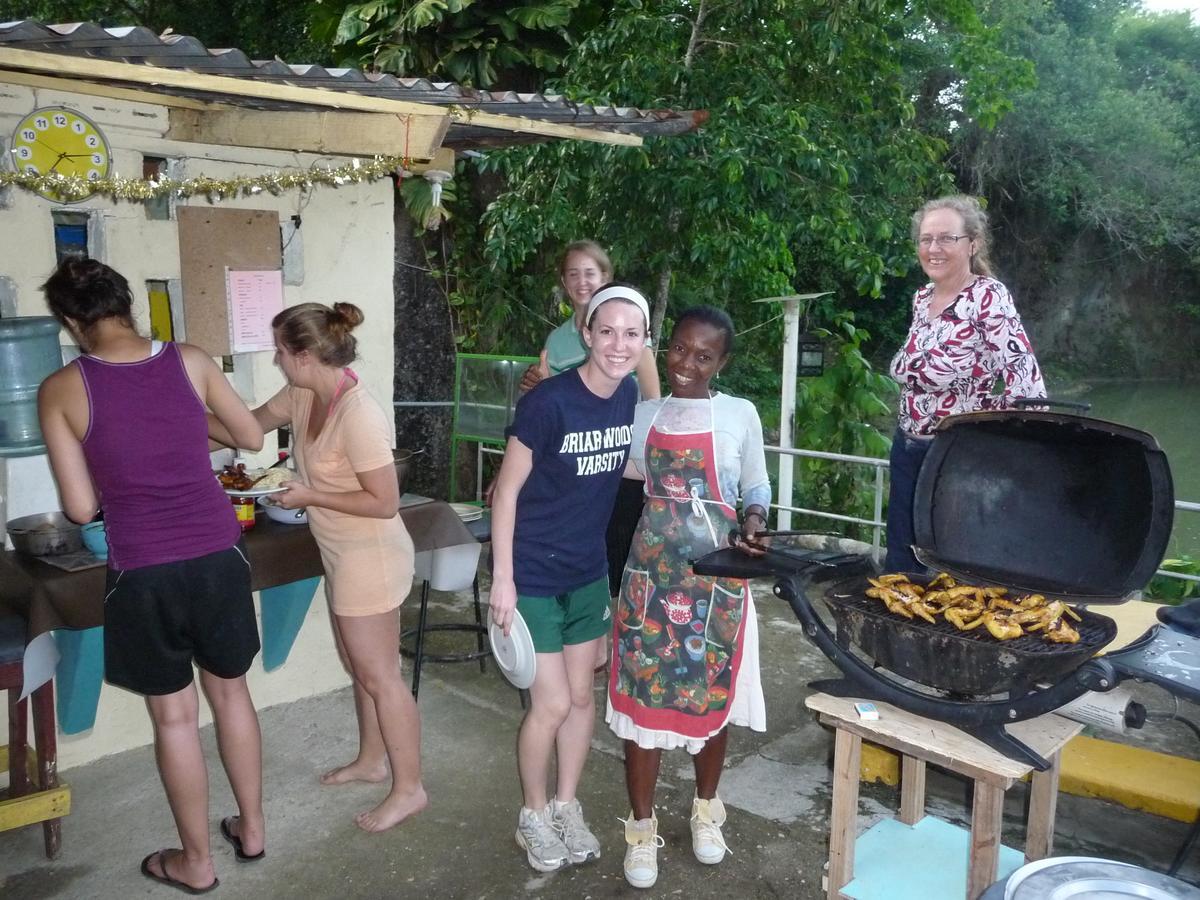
986	817
1043	802
18	764
843	821
44	733
912	790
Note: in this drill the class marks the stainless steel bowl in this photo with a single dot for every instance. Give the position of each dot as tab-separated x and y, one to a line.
45	534
403	460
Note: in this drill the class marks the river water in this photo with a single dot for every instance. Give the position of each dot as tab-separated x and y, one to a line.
1171	412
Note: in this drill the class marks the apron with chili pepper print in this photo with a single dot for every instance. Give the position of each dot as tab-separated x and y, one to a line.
678	636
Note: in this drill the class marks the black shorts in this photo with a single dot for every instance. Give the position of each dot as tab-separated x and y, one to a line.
158	619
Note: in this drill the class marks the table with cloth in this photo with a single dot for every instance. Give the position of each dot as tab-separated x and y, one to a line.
285	567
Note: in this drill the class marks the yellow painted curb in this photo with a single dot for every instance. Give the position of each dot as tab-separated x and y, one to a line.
1167	786
880	764
1139	779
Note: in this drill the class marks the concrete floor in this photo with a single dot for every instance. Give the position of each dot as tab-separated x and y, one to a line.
776	787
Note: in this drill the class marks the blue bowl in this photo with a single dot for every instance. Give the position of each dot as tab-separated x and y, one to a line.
95	538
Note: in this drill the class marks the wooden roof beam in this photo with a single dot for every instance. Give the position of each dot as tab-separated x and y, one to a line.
77	67
327	132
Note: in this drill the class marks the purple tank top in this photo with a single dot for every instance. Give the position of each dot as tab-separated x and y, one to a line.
147	452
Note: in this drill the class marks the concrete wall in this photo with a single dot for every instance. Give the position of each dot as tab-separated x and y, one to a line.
345	242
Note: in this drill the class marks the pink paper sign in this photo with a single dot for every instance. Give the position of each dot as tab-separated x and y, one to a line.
255	297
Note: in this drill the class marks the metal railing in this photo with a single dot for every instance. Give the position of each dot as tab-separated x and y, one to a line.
878	525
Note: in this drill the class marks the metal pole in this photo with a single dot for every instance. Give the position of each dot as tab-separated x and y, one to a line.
787	407
876	531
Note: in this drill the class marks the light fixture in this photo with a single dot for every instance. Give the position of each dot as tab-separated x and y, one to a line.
812	356
436	178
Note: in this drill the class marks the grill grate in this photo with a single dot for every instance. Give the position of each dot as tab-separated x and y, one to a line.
1094	631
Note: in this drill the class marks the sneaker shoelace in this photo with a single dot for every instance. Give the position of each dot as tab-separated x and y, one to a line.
539	833
643	853
571	826
710	832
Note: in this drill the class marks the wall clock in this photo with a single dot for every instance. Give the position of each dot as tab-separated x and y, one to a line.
58	139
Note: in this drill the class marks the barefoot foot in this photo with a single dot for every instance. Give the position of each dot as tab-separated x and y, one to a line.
358	770
394	809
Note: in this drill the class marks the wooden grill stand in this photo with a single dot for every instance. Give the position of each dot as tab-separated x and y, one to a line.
920	741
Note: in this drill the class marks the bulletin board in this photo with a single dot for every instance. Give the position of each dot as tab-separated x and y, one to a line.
212	241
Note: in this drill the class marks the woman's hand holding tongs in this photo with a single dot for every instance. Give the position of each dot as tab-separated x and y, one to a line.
746	538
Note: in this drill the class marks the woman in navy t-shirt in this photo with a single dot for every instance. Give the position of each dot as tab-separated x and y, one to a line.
566	451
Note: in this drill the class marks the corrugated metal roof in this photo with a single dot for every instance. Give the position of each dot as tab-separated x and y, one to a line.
135	44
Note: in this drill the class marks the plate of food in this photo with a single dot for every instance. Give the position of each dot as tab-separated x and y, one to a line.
238	481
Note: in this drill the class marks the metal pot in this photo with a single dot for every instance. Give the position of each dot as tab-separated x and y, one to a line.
402	459
45	534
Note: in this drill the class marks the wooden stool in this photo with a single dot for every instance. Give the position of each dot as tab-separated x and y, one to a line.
51	801
922	741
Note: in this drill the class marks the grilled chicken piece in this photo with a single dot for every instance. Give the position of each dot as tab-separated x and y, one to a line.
1061	632
943	580
963	590
1042	616
1007	605
963	618
891	579
1001	626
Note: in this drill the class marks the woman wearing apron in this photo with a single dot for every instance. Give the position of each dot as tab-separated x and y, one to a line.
685	647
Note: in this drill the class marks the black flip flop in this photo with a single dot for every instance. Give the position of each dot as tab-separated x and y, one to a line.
242	855
166	879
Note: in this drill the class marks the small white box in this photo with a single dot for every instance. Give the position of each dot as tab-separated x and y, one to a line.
867	712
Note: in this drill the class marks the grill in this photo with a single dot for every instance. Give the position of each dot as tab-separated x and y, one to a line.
1033	501
964	662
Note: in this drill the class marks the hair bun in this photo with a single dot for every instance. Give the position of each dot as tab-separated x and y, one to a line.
349	314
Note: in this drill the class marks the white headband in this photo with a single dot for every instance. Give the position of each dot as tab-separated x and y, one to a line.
617	292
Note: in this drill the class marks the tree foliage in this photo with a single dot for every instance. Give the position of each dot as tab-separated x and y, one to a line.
468	41
802	178
262	28
1101	151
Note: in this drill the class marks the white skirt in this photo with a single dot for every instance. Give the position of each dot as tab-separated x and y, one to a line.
747	709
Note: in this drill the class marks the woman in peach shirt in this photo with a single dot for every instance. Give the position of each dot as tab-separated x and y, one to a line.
348	484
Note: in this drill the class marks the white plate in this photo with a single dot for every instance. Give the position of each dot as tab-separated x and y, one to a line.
467	512
279	514
256	492
514	654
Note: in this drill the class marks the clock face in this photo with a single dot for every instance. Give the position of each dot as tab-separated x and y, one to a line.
60	140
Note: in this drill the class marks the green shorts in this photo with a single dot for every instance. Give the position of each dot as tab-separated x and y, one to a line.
575	617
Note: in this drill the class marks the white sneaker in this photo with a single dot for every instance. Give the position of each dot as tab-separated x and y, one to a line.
641	854
538	837
707	842
578	838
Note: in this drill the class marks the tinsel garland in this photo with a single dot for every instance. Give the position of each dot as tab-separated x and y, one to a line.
73	187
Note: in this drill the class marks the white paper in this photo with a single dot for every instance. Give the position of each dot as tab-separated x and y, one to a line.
41	659
254	297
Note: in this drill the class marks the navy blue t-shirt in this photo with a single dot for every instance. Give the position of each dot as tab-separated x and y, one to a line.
579	443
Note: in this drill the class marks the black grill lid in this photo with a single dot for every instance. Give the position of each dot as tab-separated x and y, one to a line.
1064	505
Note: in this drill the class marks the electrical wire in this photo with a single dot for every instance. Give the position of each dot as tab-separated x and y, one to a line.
1193	834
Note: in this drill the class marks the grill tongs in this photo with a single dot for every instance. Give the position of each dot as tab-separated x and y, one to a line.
983	719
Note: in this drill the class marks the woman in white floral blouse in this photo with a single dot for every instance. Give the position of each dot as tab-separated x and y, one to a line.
965	339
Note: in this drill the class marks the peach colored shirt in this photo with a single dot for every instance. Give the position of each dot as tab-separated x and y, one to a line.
368	562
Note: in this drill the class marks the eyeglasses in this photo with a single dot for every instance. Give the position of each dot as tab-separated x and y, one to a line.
928	240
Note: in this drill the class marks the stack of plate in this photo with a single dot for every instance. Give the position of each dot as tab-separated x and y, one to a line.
468	512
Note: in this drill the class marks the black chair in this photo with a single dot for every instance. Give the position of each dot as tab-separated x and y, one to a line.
441	573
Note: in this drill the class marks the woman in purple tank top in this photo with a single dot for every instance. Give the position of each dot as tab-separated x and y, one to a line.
126	427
